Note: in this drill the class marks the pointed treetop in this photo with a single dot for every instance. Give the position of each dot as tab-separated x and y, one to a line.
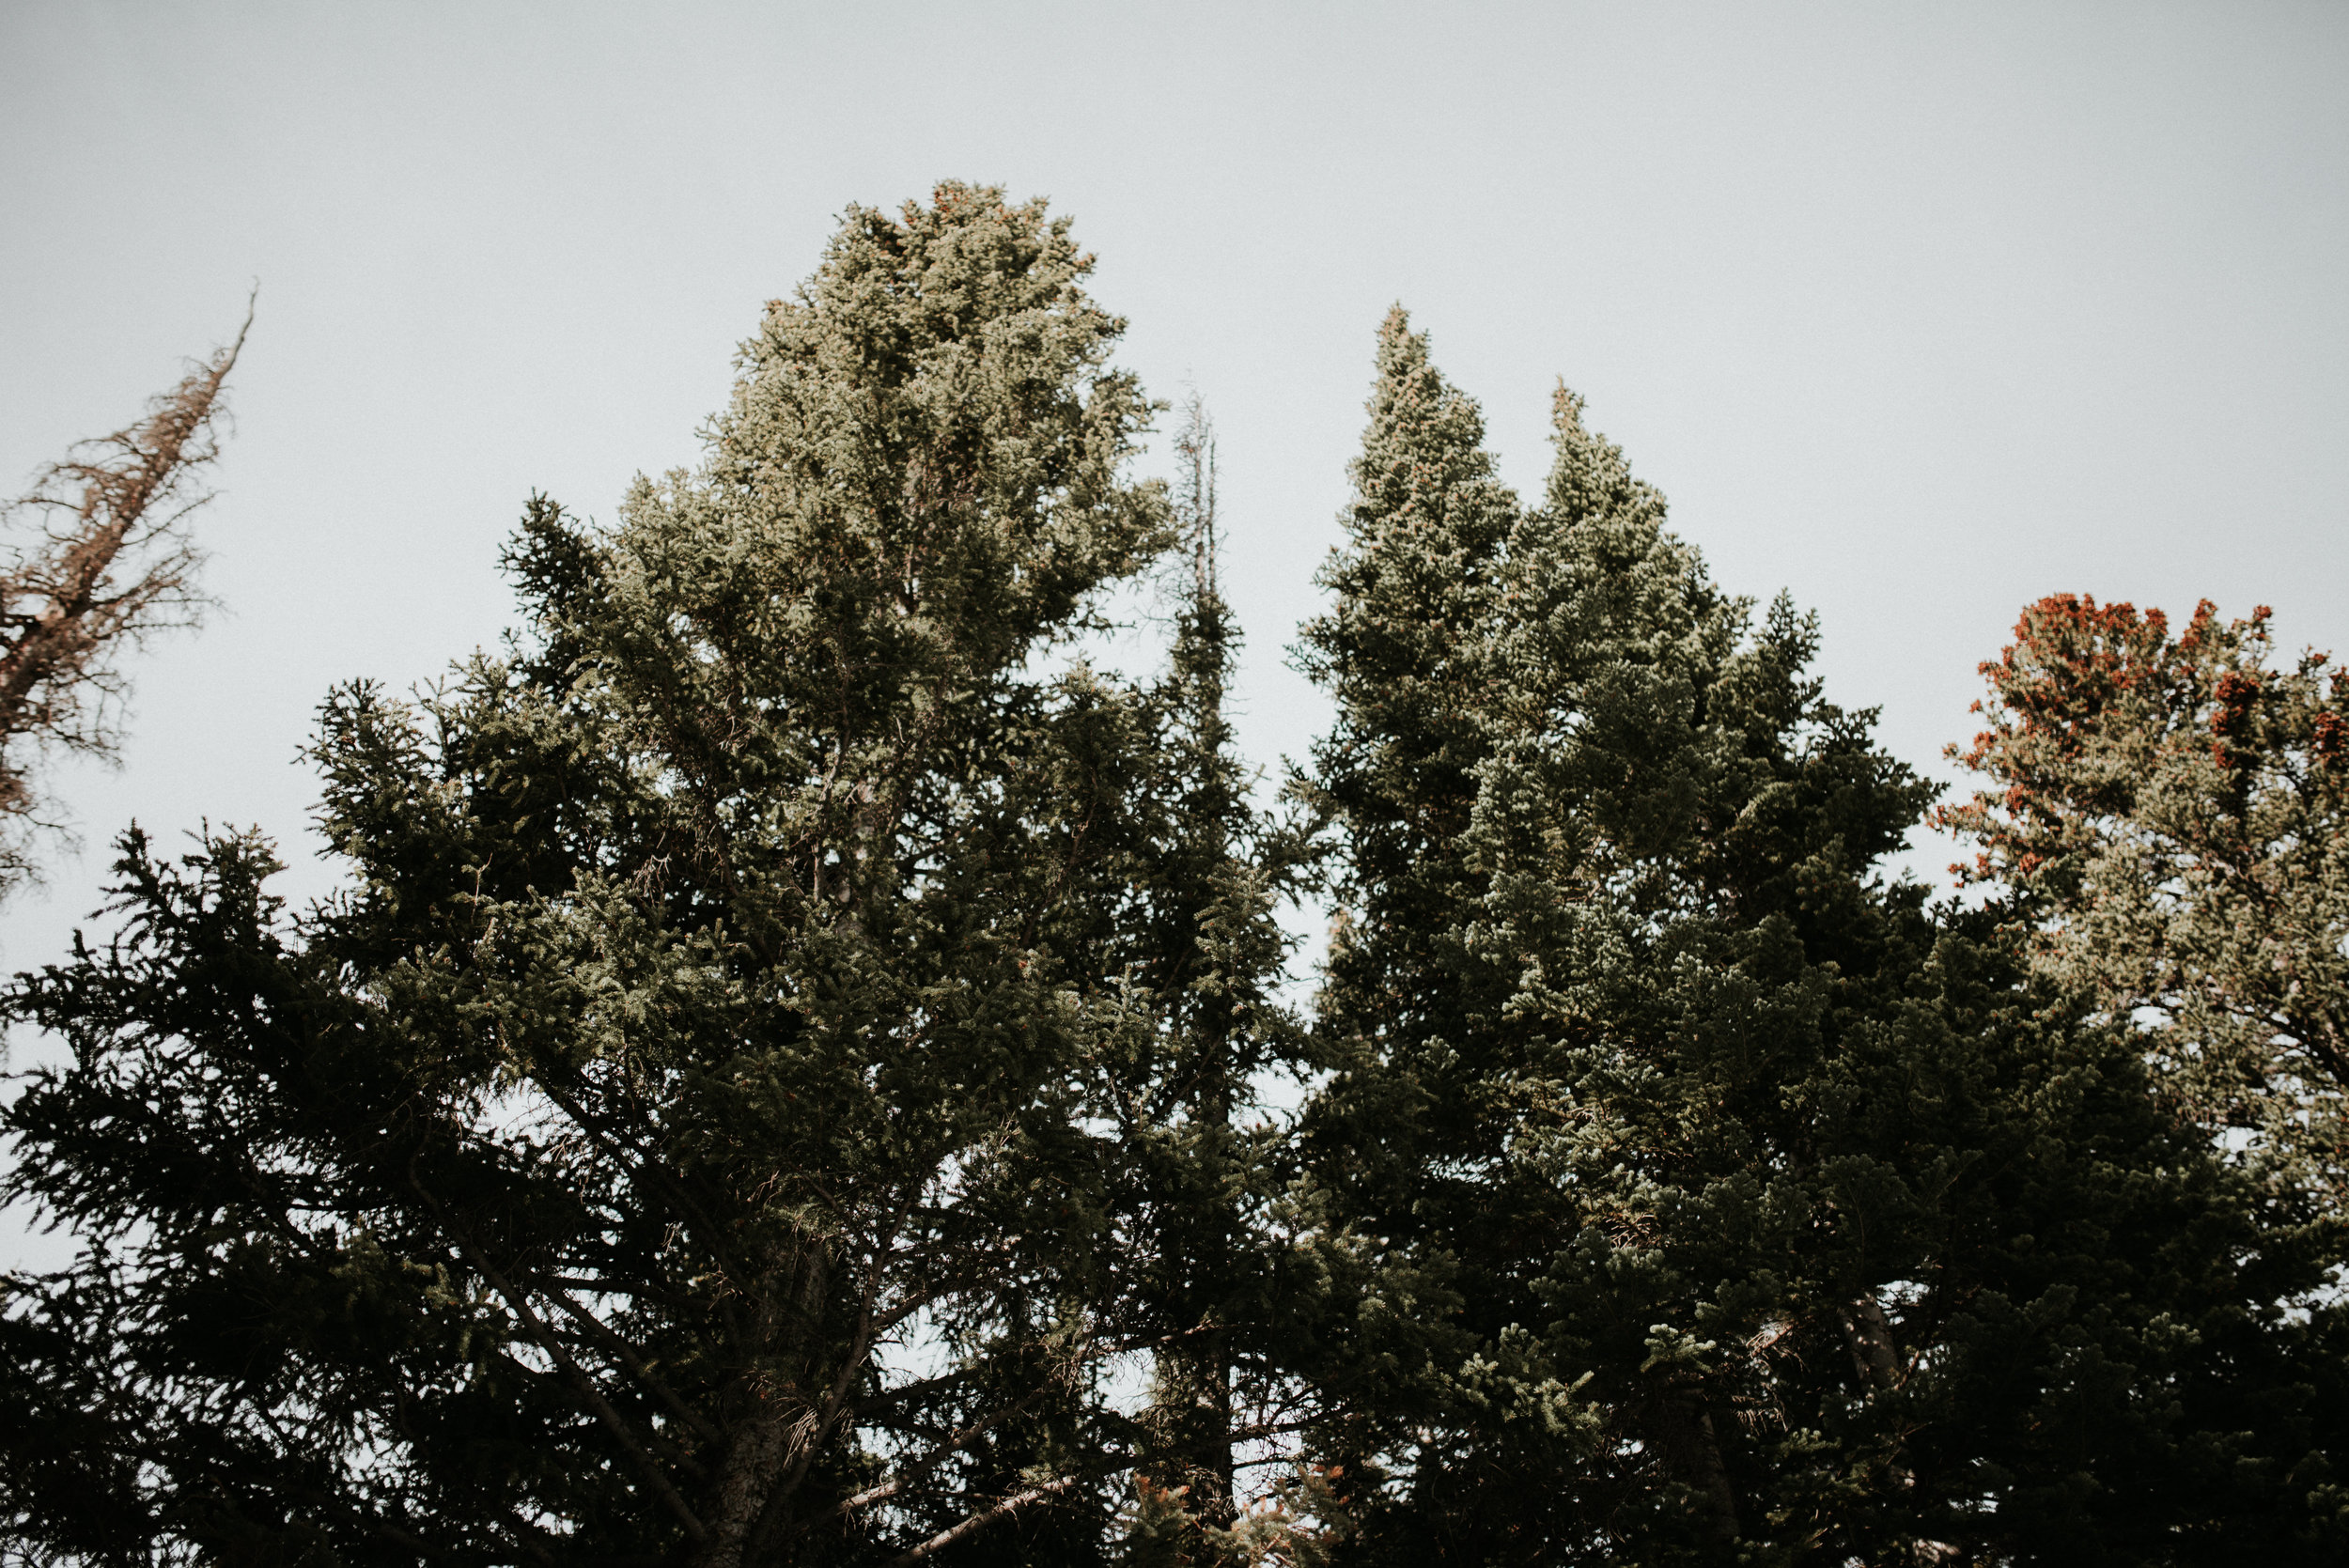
1424	455
1591	478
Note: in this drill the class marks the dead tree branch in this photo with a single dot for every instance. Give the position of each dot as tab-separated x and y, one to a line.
94	559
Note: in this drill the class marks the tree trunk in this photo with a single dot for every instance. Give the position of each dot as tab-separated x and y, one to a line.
1691	1452
1868	1334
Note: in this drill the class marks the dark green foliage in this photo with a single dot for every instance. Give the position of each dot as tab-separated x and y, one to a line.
1706	1199
722	1015
1204	1157
786	1080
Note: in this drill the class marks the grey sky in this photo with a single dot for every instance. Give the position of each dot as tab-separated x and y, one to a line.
1918	312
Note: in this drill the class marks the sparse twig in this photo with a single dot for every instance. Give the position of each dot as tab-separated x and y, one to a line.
94	559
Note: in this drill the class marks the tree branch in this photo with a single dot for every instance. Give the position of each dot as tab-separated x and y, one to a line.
984	1517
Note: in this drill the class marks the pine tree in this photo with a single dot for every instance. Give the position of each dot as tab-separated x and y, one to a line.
2171	820
1194	1200
682	1141
787	1054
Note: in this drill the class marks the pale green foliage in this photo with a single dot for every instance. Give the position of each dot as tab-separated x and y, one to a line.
702	1074
2172	822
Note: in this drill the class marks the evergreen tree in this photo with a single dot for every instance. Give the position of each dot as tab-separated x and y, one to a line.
1204	1156
1703	1201
787	1058
682	1141
1399	1152
96	560
2170	821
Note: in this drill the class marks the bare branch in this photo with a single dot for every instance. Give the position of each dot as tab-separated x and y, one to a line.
96	558
983	1518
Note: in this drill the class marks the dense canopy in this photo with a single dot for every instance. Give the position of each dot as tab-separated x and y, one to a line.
801	1068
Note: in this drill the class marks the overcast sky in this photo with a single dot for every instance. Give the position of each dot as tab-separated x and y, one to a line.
1918	312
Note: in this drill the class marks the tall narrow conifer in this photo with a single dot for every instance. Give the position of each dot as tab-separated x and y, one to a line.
1397	1145
1204	1154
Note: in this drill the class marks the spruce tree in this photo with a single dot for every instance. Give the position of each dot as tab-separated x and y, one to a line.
786	1063
1703	1198
1401	651
682	1141
94	560
1204	1154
